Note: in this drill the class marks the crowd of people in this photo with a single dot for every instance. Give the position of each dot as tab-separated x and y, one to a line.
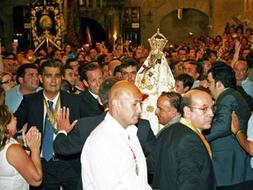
70	118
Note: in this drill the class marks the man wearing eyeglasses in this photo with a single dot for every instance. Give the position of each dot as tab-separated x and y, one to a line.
231	163
182	155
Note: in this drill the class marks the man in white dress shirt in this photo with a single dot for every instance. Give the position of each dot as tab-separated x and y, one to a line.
112	157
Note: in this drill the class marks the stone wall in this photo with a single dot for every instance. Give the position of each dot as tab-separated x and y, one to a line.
212	13
206	15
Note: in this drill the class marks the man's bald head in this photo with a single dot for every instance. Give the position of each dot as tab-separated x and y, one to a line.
241	71
198	108
125	103
124	86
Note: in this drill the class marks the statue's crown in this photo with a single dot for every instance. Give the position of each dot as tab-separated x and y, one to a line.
157	41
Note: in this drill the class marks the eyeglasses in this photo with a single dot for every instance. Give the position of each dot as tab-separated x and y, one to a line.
7	81
204	109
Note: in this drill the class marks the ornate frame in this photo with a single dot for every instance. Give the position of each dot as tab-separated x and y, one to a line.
47	24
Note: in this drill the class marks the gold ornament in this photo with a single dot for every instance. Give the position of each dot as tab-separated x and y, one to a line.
52	115
46	22
149	87
150	108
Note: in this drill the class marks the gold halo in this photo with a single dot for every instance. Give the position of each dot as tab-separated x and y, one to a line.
46	22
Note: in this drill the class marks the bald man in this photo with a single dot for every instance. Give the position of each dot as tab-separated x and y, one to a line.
112	157
183	156
241	75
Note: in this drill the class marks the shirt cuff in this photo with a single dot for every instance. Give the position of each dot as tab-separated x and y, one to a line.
63	132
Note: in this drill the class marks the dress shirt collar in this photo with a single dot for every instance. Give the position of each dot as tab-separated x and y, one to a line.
129	131
94	95
174	120
53	100
245	80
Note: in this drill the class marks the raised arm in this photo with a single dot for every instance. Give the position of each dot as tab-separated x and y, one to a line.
29	168
237	52
241	137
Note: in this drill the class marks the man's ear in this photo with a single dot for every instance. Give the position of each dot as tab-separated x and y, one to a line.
20	80
40	78
187	111
198	75
219	85
186	89
85	83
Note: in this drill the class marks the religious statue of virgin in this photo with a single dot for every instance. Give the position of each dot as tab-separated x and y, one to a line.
154	77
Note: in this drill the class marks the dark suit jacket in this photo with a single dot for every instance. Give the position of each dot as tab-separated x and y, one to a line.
74	141
31	111
231	163
90	106
247	97
182	161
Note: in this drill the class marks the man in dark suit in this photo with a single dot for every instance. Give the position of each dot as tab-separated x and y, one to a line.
183	156
72	143
231	163
92	77
168	109
39	109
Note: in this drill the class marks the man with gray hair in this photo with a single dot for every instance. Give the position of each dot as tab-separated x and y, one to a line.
183	156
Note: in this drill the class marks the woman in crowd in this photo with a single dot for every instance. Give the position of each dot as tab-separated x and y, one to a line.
7	81
17	169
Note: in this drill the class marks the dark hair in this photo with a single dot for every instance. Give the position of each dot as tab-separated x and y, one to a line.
130	62
1	90
22	70
118	38
249	59
208	53
65	67
104	90
49	63
173	65
101	58
249	29
5	119
240	27
70	60
85	68
198	67
175	100
186	101
223	73
117	69
186	79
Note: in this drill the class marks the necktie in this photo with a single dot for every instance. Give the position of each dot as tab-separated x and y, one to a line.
47	147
